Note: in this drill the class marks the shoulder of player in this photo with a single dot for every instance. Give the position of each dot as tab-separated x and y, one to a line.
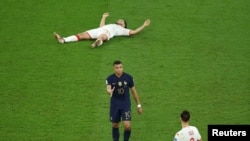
194	128
111	75
127	75
113	25
191	126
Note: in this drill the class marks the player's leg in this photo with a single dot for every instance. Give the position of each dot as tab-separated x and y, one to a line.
126	118
127	130
115	120
58	38
72	38
115	131
99	40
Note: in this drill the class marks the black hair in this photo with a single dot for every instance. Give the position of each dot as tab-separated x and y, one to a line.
117	62
185	116
125	23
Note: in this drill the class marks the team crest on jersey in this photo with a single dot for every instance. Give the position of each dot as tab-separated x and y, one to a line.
125	83
119	83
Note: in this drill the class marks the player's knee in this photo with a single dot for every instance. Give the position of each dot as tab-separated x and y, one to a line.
103	37
83	35
127	127
115	125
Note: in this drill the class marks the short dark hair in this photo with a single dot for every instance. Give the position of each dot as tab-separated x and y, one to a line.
117	62
185	116
125	23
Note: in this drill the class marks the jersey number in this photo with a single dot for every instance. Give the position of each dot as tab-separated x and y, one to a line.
120	91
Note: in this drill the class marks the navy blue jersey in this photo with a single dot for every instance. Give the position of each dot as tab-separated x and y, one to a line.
121	94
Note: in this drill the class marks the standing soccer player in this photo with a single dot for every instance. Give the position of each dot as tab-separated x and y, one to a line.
187	133
119	85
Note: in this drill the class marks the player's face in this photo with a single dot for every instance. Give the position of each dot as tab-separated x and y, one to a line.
121	22
118	69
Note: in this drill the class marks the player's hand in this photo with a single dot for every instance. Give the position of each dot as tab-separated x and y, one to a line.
105	15
147	22
111	92
139	110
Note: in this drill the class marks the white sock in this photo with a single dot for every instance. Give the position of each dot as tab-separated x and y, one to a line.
72	38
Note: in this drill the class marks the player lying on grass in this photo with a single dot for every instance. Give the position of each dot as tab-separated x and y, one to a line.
104	32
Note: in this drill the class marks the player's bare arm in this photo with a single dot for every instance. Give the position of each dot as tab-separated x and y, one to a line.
139	29
103	20
137	100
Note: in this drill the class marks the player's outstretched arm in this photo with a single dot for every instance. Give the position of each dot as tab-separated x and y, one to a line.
103	20
139	29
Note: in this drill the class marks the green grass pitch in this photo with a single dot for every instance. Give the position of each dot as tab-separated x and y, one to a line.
194	55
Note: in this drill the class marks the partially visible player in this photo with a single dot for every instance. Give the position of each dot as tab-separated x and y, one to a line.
187	133
119	85
104	32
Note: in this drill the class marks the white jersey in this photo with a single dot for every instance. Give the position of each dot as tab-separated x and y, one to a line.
189	133
110	30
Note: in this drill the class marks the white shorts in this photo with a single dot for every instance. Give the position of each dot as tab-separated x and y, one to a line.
95	33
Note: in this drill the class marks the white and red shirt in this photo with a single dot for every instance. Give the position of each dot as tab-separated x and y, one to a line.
189	133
